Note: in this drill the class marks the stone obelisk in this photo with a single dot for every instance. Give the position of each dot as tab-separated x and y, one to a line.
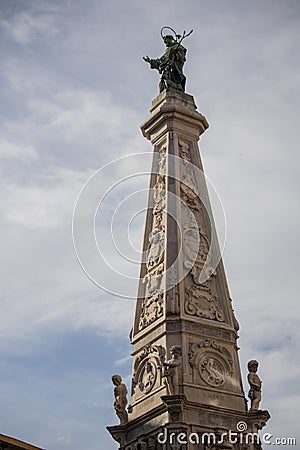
186	378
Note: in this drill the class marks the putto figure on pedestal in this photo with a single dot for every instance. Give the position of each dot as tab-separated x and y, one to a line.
255	385
170	64
120	393
171	370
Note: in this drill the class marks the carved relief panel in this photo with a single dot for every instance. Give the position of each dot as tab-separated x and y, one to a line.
147	370
201	302
211	362
188	183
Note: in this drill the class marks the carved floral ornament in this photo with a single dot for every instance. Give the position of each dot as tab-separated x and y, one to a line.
213	362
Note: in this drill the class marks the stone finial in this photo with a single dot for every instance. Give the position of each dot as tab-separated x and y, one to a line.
171	370
120	393
255	385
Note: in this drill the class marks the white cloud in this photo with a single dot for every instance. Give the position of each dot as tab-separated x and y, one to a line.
81	112
50	289
27	26
122	361
10	150
36	206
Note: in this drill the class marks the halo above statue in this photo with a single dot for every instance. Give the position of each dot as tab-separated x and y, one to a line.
177	37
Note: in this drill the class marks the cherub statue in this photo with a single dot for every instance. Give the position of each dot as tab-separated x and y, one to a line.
170	64
171	370
120	392
255	385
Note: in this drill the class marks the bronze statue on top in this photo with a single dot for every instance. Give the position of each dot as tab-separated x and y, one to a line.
170	64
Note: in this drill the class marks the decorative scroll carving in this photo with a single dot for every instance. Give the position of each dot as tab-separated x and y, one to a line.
201	303
147	367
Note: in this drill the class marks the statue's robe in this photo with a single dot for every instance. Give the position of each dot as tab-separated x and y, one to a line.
170	65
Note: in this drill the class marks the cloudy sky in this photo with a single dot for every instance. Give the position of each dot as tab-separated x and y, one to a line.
74	90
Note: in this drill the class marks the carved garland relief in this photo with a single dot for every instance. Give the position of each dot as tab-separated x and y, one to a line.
152	306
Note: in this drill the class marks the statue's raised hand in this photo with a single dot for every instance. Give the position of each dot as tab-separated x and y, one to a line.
146	58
